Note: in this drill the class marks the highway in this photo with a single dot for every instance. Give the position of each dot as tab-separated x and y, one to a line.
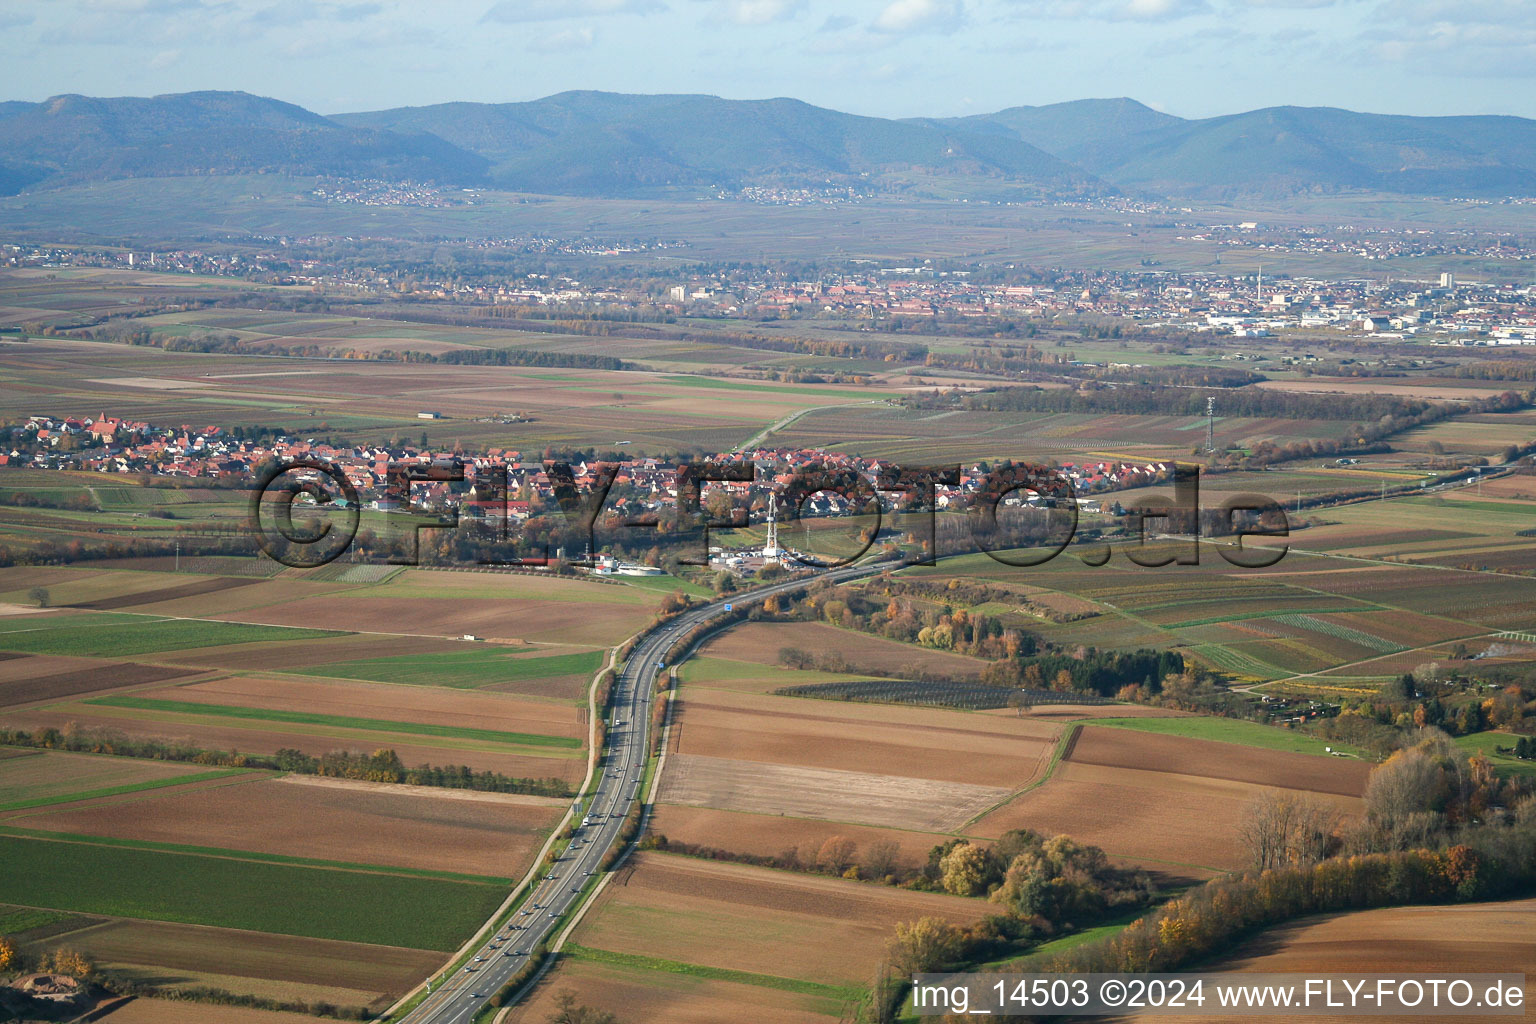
618	781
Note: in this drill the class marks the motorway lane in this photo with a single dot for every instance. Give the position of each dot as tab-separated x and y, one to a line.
464	993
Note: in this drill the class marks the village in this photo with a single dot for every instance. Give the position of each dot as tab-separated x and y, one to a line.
500	482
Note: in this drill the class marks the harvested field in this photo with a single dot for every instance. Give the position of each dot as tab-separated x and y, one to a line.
761	642
165	1011
1432	941
817	929
495	619
1169	822
384	702
173	951
396	826
769	835
758	788
267	738
661	996
52	774
916	743
194	589
92	677
1180	755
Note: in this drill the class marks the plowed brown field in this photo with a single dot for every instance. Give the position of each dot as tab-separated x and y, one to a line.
399	826
754	919
921	743
427	705
1159	819
1429	941
258	738
662	997
1179	755
170	948
769	835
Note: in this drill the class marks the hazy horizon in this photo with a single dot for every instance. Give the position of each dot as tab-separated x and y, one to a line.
884	58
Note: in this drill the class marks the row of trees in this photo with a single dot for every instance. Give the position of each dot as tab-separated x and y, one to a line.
382	765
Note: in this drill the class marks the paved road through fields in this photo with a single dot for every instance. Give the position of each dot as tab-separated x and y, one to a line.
463	994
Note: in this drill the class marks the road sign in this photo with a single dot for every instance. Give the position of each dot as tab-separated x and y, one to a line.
727	607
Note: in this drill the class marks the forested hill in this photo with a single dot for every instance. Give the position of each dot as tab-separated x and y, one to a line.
612	144
601	143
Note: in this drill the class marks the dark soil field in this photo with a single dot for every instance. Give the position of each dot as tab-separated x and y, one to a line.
1179	755
396	826
100	675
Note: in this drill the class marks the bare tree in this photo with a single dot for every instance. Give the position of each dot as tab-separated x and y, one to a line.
1283	829
1021	702
837	853
880	858
1402	796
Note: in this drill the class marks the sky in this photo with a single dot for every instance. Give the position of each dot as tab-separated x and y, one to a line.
887	58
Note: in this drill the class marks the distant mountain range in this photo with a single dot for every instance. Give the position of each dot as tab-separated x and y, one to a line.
610	144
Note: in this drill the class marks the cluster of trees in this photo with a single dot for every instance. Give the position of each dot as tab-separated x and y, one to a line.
1366	434
1047	882
132	986
82	502
1211	918
837	856
1087	669
382	765
1422	794
69	962
943	626
1428	698
1496	369
1524	749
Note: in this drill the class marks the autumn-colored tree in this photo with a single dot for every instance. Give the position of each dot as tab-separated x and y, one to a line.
70	962
923	945
963	870
9	954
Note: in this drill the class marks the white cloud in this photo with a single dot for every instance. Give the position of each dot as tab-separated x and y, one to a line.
1156	10
903	16
564	39
164	59
763	12
516	11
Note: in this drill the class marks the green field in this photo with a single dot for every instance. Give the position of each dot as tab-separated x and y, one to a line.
478	667
105	791
1487	743
1228	730
352	906
653	963
144	636
184	707
14	920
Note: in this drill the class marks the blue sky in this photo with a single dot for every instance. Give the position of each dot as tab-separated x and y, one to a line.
889	58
